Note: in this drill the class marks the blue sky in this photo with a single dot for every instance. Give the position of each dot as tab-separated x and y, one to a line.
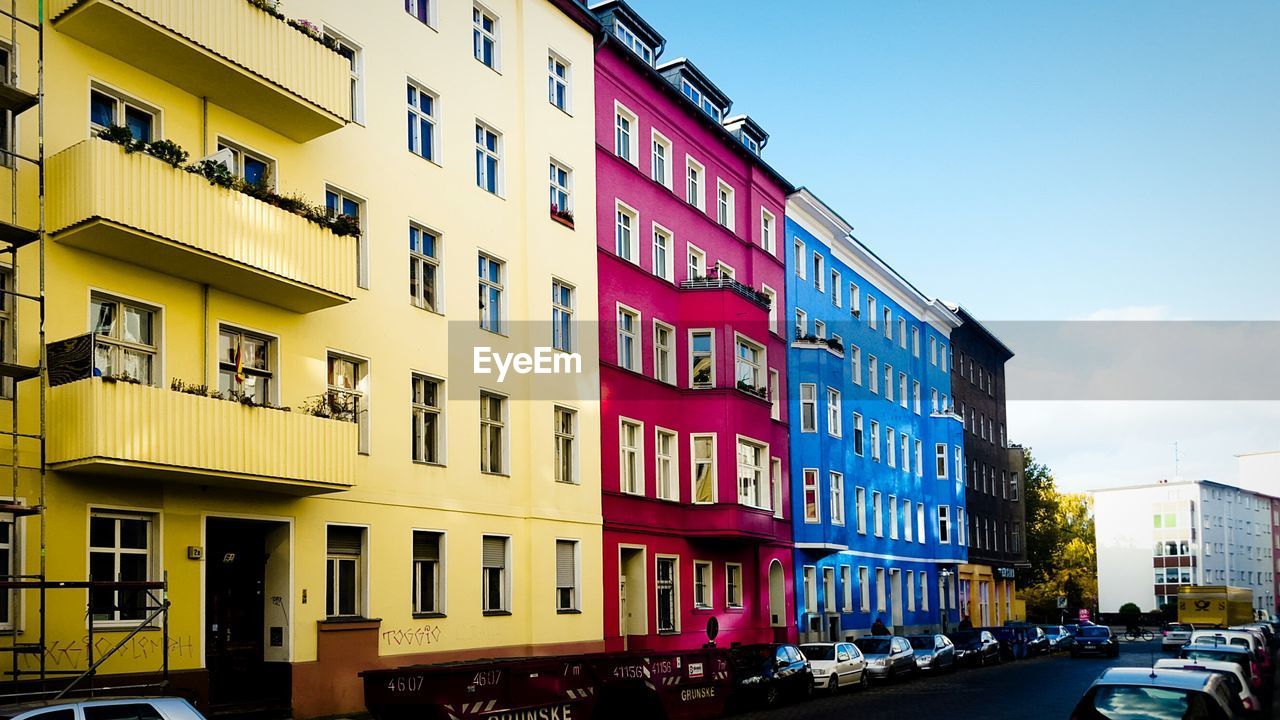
1115	159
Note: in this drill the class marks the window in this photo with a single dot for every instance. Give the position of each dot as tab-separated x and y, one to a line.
903	449
808	407
860	506
919	458
120	547
775	396
426	432
907	525
251	167
920	522
902	333
566	575
561	189
666	461
818	279
422	121
893	517
891	444
833	413
802	323
628	339
493	433
733	585
902	389
630	446
344	581
865	588
846	588
427	577
704	468
495	584
888	323
701	584
819	328
488	159
662	265
775	482
767	232
702	372
835	288
941	451
630	39
558	81
693	182
873	370
347	377
423	10
338	202
855	353
484	37
664	352
696	263
562	304
125	339
911	590
888	382
837	498
724	205
944	524
933	351
1013	488
877	513
959	465
749	362
107	108
424	267
700	99
857	433
245	367
915	396
812	502
871	312
933	400
753	484
875	441
665	592
915	342
566	442
799	258
624	134
492	283
626	244
660	157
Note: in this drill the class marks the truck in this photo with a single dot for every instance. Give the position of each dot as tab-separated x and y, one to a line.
1215	605
688	685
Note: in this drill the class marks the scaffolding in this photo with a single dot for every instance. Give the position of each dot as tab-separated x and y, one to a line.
25	384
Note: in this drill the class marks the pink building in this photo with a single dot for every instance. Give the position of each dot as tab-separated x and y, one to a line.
1275	545
693	362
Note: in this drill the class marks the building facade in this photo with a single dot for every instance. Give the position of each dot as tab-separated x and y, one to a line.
191	306
992	476
876	455
1154	539
693	371
1260	472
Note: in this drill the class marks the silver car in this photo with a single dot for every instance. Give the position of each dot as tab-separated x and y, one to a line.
933	653
889	657
137	708
836	665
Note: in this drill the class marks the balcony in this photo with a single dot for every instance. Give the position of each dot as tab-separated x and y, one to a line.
724	521
105	427
135	208
711	283
236	55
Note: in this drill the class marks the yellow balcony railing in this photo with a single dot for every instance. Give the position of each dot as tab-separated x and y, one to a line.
118	428
229	51
139	209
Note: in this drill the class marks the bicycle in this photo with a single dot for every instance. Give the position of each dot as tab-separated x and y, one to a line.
1137	634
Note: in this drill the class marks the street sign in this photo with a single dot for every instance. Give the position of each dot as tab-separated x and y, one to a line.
1062	603
1084	615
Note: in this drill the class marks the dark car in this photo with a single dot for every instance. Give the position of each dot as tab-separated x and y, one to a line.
1059	638
1095	640
1020	641
976	647
771	674
933	653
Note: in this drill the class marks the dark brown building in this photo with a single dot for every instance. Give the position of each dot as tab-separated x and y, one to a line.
994	517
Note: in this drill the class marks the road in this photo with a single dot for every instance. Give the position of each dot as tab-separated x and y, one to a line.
1045	688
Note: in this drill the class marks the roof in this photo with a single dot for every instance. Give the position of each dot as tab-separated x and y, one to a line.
983	330
749	126
1217	647
685	68
1177	483
635	23
1157	677
578	11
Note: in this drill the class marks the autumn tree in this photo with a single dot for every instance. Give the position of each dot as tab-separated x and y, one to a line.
1061	548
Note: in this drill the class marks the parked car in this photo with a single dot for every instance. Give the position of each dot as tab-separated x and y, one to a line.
888	657
1175	635
1095	640
1273	640
933	653
1237	678
1248	639
771	674
1059	638
1020	641
135	708
1150	693
836	665
1226	653
975	647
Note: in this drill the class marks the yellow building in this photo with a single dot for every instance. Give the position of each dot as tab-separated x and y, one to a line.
391	516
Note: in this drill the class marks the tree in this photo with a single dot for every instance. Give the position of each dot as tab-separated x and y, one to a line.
1130	609
1061	547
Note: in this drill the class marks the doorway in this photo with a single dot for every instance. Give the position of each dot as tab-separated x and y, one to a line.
632	608
247	628
895	598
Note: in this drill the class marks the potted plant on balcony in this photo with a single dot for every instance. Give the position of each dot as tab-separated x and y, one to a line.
564	217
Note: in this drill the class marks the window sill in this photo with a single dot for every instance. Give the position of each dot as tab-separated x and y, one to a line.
563	221
433	161
568	612
668	632
428	615
703	609
496	613
734	608
496	474
424	463
424	308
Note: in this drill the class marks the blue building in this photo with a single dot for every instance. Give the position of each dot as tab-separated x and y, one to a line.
876	451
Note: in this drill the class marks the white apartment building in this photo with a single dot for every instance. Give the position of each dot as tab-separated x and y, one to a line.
1152	539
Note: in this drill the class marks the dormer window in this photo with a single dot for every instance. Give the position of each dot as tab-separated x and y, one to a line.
751	144
631	40
700	99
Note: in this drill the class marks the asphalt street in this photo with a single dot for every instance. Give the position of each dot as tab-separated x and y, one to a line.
1045	688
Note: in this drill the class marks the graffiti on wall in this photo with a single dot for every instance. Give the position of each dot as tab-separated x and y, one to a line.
144	647
420	636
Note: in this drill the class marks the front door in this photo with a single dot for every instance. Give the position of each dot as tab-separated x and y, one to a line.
236	560
624	617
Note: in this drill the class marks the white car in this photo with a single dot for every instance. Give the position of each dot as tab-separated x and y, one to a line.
1252	640
836	665
1240	684
137	708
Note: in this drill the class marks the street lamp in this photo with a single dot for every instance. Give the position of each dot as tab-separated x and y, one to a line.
945	576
